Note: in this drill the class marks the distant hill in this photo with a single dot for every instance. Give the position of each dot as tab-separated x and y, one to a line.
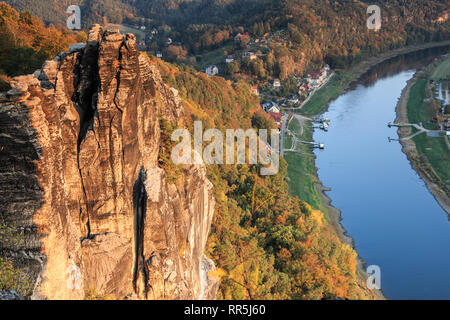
25	42
51	12
317	28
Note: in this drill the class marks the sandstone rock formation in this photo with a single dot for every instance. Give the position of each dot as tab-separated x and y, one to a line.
79	143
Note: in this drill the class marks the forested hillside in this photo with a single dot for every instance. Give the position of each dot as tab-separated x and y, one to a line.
25	42
265	243
312	31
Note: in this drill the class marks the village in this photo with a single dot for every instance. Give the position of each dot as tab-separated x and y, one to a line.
275	101
280	107
306	87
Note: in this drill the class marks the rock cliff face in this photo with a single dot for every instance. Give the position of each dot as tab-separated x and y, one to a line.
79	143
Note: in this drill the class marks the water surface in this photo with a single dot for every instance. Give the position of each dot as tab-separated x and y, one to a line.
395	222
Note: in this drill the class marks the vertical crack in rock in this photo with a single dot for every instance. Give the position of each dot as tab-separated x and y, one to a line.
139	207
118	78
86	84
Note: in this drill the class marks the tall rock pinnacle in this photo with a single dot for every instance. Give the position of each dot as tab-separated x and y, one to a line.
79	151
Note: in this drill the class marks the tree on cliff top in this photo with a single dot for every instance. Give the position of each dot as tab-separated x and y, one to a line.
25	43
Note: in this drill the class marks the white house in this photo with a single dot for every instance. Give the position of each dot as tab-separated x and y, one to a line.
276	83
255	90
143	28
274	110
212	70
229	59
159	54
250	55
270	106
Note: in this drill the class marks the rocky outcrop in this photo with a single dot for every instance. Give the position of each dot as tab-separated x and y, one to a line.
79	144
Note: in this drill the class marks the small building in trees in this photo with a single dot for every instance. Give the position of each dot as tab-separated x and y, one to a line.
268	106
212	71
274	109
316	78
255	90
276	83
250	55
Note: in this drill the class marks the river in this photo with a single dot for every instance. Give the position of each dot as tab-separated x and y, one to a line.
386	208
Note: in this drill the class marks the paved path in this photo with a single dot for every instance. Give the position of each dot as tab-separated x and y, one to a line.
302	120
284	124
413	125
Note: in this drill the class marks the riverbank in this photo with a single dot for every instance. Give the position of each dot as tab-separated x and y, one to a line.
423	168
335	219
323	97
316	106
305	183
341	81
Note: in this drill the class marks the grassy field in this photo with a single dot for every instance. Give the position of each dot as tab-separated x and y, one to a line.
417	108
302	171
433	149
214	57
442	71
140	35
301	167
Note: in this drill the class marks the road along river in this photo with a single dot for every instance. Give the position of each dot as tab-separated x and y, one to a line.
386	208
